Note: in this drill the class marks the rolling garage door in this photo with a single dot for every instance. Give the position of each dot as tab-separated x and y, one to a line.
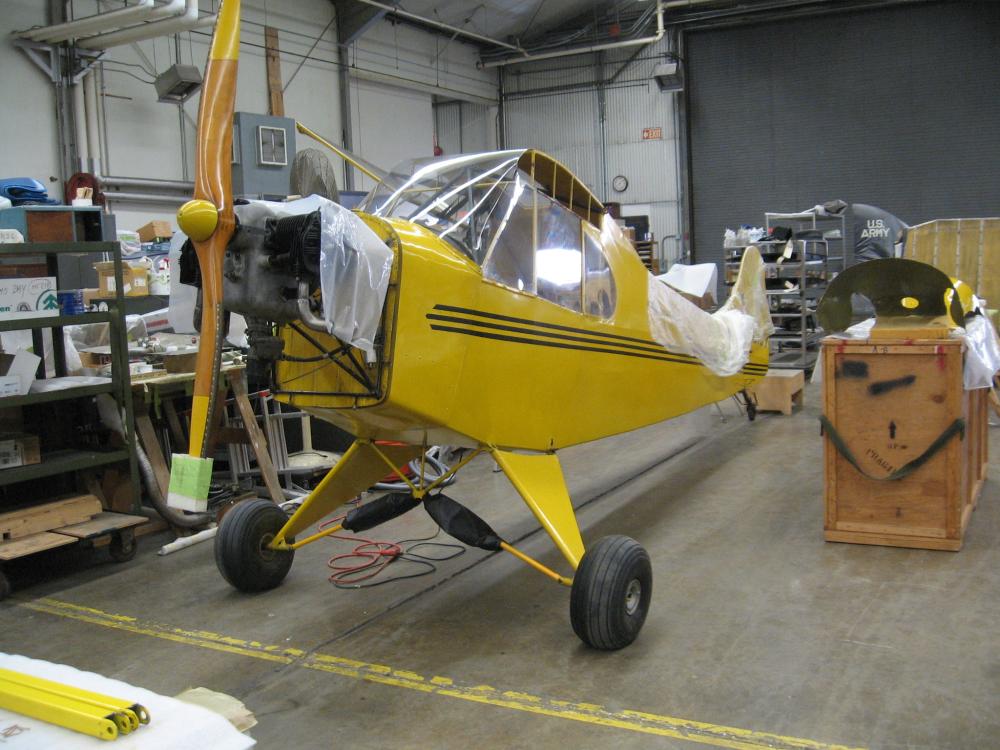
897	107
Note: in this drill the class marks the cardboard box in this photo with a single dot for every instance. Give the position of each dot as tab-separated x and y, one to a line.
135	279
28	298
155	230
19	449
10	385
19	368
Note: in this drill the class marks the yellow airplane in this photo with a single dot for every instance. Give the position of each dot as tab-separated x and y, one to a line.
507	314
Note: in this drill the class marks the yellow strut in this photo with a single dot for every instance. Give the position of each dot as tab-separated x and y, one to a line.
536	565
342	154
62	711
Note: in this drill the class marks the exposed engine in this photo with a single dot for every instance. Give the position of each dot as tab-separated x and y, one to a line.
269	276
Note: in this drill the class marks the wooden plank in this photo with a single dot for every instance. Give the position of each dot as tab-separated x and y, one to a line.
275	90
151	445
891	540
257	439
24	522
43	540
174	423
102	523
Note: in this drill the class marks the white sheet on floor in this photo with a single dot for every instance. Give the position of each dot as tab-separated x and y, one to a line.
174	725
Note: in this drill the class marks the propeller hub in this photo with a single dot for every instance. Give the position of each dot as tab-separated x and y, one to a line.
198	219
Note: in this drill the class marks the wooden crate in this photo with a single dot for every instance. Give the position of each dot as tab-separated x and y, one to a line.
889	401
779	390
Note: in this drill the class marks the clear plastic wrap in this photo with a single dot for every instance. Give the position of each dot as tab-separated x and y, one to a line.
354	265
721	340
982	357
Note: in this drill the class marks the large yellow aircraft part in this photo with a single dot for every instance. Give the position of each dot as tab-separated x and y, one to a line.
476	363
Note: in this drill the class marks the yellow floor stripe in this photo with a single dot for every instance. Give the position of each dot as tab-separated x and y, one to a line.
633	721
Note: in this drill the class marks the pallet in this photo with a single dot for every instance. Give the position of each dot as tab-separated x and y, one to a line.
100	525
890	401
24	522
779	390
29	545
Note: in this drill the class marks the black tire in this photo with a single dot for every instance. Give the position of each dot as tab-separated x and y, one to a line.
611	593
122	547
4	586
241	546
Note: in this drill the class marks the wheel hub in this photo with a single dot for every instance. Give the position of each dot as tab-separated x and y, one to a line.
265	546
633	595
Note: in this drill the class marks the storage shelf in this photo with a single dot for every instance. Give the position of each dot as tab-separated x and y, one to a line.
80	391
55	321
60	462
57	248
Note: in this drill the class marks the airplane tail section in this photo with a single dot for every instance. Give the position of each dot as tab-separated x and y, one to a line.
721	340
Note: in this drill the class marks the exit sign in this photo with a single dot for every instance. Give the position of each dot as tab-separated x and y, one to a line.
652	134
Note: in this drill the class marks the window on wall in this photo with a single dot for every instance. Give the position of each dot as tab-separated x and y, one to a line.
272	146
599	294
558	259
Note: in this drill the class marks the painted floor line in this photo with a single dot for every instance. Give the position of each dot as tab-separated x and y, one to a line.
633	721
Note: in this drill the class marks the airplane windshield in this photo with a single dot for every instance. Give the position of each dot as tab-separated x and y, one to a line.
454	197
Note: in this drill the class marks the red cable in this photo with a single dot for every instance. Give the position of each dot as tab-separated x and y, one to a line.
377	559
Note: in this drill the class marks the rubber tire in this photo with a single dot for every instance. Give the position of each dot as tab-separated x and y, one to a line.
597	605
122	547
240	546
5	587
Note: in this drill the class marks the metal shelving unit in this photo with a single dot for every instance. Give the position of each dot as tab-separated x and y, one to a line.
834	228
795	286
66	460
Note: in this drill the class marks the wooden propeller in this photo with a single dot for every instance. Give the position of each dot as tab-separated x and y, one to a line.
208	219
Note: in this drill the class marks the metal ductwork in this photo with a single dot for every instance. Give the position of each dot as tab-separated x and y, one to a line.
184	21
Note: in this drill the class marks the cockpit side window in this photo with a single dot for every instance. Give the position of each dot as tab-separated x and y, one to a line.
558	259
599	294
510	258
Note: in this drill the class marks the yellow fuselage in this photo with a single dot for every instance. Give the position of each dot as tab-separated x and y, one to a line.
473	363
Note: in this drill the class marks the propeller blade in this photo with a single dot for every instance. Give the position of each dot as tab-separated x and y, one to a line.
208	219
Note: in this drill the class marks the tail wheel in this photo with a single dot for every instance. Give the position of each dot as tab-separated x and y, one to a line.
241	546
611	593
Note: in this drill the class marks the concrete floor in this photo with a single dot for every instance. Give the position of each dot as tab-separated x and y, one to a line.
760	633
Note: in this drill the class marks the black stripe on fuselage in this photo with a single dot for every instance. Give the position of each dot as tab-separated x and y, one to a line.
553	326
753	369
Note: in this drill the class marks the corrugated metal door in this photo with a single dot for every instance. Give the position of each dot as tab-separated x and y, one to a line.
897	107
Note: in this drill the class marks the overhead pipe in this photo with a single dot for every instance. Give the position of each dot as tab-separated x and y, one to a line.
439	25
93	124
80	121
186	21
527	57
91	24
113	197
144	182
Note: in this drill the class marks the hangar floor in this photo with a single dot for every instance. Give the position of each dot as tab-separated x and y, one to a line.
760	633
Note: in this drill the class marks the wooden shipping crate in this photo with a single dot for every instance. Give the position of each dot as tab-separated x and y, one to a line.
890	402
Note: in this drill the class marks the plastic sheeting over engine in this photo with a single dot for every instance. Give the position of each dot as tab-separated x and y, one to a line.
721	340
354	265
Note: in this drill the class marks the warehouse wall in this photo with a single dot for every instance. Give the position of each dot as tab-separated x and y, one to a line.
567	124
395	72
897	107
465	127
